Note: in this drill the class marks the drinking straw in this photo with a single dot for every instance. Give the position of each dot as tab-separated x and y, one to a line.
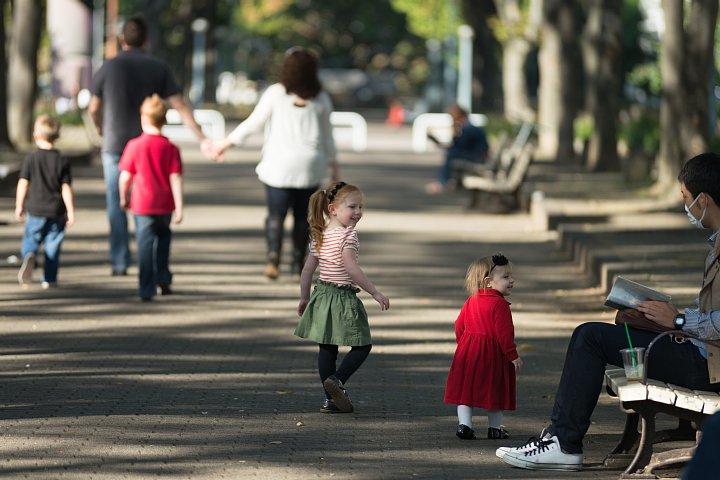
632	349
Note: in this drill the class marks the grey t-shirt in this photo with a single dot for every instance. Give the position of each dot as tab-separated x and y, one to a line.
123	82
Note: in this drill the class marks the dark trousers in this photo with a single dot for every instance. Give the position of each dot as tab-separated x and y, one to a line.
279	201
327	361
593	346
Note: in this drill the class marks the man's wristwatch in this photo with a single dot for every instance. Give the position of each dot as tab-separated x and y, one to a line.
679	321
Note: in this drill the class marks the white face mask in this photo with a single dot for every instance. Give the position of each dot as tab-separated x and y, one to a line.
695	221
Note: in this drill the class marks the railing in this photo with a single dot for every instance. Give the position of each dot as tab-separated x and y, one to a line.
357	125
213	126
211	122
427	121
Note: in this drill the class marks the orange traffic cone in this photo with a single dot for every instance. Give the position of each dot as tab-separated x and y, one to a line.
396	114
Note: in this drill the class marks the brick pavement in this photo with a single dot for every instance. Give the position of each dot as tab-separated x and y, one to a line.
210	383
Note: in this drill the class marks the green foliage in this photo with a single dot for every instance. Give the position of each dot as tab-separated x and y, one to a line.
370	36
429	19
640	129
640	67
504	32
584	127
647	76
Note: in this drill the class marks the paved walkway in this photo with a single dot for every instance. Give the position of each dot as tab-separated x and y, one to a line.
210	383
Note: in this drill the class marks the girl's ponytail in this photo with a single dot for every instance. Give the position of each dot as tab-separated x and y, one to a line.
317	210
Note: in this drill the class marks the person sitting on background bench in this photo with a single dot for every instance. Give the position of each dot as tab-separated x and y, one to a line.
469	143
594	345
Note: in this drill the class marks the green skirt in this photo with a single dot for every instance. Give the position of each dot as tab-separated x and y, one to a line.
335	316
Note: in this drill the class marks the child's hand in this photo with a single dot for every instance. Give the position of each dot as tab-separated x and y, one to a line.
518	364
301	307
382	300
177	216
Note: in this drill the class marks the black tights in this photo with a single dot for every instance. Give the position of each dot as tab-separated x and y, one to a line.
327	360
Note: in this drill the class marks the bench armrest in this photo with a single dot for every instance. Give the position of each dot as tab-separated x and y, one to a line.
674	333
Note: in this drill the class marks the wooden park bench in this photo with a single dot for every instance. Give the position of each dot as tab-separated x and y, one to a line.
643	401
504	176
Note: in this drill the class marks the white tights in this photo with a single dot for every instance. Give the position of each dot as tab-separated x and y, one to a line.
465	413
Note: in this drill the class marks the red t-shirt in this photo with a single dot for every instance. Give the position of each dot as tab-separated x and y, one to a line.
151	159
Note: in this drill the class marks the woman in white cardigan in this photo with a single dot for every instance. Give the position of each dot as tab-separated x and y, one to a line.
298	152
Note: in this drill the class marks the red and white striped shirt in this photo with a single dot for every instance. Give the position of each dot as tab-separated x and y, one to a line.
330	255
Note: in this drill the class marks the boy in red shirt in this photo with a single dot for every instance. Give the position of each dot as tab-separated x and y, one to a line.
152	165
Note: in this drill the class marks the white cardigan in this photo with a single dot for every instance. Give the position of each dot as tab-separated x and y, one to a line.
298	146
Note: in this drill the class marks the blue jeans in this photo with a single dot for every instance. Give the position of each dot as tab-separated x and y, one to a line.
119	236
594	345
153	235
49	231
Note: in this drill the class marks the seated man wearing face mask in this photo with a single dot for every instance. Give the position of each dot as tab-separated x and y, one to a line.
594	345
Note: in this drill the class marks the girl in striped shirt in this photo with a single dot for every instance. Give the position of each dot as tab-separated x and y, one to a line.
333	315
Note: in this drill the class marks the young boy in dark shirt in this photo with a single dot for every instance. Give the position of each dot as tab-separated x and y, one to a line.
44	198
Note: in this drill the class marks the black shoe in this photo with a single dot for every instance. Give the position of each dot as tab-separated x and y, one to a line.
164	289
465	432
119	273
336	389
329	406
498	433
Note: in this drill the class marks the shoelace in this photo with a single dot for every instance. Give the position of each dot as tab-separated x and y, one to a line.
531	442
540	447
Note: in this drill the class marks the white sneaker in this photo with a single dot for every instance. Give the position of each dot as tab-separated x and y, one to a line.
545	455
26	269
529	445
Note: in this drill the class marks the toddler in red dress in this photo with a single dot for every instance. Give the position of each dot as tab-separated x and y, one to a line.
483	369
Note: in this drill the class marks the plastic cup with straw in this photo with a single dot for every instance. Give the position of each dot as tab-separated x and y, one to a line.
632	352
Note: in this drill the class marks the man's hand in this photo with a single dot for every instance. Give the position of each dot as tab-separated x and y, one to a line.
662	313
207	147
19	213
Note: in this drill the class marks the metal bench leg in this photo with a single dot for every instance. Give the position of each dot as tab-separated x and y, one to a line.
645	448
620	456
630	434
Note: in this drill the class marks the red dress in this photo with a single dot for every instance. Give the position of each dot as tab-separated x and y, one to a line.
482	374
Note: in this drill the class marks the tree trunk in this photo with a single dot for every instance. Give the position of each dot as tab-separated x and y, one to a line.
26	26
4	137
601	55
516	99
686	63
486	89
558	81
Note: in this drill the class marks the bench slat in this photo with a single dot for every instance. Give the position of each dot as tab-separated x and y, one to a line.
659	392
711	401
687	399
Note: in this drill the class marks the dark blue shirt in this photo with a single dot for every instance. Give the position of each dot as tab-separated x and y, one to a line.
471	144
